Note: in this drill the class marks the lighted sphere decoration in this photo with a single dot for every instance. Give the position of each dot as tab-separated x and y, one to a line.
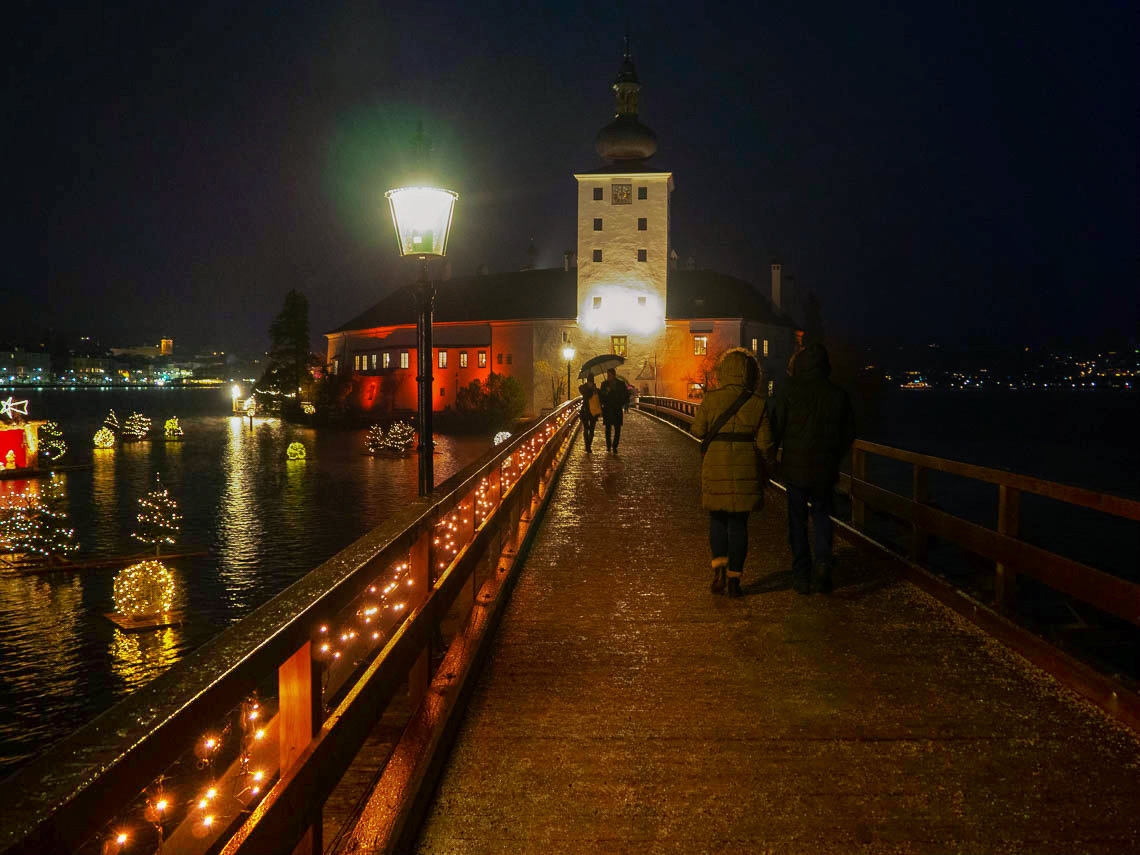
145	588
502	436
295	451
104	438
422	216
172	429
137	426
51	441
401	436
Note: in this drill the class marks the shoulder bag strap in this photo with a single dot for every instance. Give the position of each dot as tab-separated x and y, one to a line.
723	419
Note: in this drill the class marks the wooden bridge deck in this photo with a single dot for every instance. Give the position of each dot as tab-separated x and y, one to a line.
624	708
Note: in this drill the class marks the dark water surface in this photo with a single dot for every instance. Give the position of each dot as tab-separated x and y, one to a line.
266	521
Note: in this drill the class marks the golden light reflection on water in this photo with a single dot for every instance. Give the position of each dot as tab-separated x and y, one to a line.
103	494
239	523
40	627
139	657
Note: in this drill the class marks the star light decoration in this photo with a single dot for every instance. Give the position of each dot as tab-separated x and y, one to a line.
386	598
158	517
11	408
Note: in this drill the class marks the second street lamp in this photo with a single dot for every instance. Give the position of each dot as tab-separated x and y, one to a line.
568	355
422	217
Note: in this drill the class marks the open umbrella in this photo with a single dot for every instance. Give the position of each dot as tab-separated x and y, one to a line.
600	365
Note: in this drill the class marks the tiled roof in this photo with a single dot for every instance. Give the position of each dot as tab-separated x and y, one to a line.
553	293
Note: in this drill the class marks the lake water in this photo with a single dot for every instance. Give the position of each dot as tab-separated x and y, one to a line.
267	521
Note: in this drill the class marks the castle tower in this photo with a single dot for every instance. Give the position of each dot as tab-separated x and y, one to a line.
623	233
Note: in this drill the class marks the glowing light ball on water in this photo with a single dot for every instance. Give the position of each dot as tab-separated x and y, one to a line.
145	588
104	438
295	451
172	429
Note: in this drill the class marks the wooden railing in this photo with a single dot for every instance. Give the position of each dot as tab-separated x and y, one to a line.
236	748
1011	556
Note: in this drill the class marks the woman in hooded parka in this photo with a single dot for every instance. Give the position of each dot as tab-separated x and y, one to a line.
736	444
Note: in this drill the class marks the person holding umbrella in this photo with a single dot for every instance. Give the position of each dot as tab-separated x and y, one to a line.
591	409
615	395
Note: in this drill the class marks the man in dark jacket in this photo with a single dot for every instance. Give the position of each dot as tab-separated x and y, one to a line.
814	425
615	395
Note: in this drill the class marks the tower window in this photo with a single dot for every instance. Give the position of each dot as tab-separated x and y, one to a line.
700	345
641	255
597	255
642	192
599	194
597	224
642	224
597	302
622	194
617	345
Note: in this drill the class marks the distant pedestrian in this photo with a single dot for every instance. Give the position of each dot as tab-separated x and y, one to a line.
734	427
591	409
814	426
615	395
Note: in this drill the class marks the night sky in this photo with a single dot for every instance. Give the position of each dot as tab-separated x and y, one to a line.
949	171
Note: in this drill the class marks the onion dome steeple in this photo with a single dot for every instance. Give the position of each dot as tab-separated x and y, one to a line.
625	138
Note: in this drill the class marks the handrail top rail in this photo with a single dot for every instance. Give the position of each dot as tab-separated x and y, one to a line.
225	668
1109	503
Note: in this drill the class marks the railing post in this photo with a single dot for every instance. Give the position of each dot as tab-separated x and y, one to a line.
299	720
920	540
419	571
1009	517
858	473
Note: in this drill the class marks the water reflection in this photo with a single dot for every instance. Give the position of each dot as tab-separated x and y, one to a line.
239	523
139	657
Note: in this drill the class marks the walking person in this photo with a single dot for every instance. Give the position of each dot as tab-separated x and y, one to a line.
615	395
814	425
591	409
734	427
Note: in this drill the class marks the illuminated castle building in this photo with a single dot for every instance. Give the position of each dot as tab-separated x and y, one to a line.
626	295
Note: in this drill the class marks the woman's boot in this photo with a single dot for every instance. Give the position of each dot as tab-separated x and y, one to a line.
719	566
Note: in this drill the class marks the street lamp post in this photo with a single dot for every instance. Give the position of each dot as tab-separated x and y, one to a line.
422	217
568	355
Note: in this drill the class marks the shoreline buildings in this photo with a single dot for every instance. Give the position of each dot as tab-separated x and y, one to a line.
625	295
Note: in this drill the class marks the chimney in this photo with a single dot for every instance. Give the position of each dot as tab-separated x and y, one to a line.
776	284
568	259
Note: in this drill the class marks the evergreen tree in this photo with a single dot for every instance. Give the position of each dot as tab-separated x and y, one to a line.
289	346
38	524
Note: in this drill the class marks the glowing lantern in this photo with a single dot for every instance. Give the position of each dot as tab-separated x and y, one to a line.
422	216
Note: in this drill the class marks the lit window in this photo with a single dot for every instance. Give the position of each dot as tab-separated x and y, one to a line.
765	347
641	255
374	360
403	359
755	349
599	194
597	224
482	359
442	360
641	301
387	360
696	391
356	362
642	224
463	359
700	345
597	255
771	388
597	302
499	358
617	345
642	192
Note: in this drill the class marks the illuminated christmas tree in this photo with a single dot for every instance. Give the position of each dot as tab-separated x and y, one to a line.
159	520
111	423
137	426
374	439
401	436
172	429
38	525
52	445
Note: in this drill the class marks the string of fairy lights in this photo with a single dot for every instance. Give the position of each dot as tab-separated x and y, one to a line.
399	437
35	524
158	518
211	801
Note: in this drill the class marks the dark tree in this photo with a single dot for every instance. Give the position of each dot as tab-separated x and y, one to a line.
288	346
